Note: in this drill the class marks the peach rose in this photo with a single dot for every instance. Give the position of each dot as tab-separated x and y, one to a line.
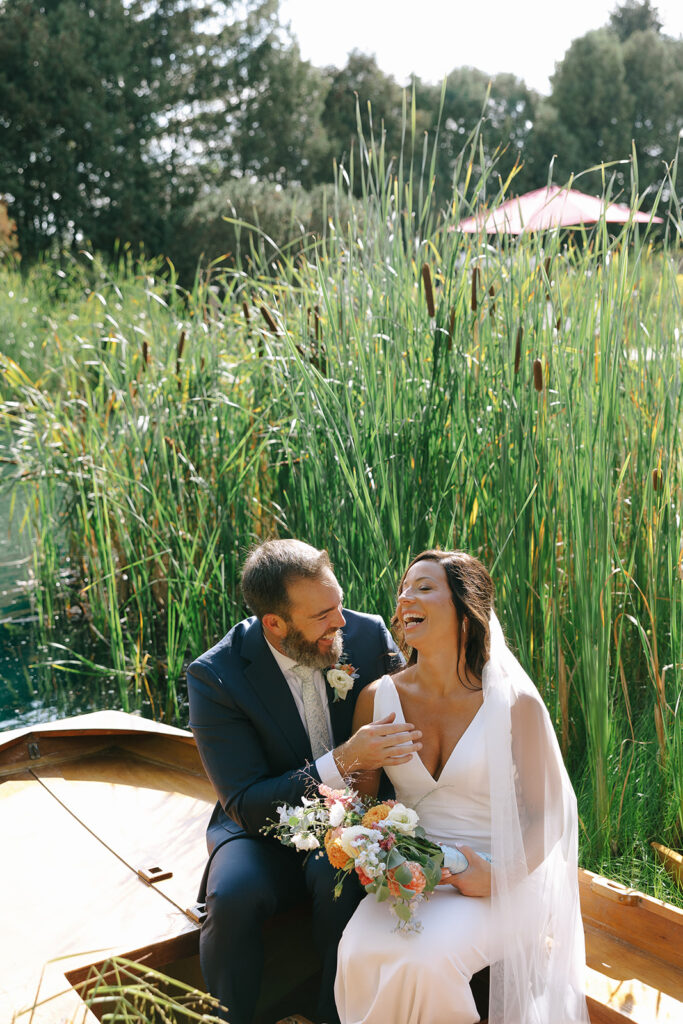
417	881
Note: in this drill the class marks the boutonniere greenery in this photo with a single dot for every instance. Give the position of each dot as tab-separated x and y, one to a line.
341	678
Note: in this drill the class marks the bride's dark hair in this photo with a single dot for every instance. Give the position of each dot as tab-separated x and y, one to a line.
472	594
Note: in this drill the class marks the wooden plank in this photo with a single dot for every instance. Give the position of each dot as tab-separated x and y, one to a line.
641	988
152	816
66	901
650	925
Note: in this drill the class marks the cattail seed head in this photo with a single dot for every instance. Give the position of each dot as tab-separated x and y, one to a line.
492	305
268	317
429	291
475	280
179	351
145	352
538	375
518	348
657	479
245	310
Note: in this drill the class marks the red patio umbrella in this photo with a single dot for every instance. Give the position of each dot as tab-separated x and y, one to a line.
550	207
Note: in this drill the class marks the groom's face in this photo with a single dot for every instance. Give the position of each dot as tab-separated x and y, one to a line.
311	629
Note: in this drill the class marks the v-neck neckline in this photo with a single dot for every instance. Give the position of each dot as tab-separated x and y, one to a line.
436	779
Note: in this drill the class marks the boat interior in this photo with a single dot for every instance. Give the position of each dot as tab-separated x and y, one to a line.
103	821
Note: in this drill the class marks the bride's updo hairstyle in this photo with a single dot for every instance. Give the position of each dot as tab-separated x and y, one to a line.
472	594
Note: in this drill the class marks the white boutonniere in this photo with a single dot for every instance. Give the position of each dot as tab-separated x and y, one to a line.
341	678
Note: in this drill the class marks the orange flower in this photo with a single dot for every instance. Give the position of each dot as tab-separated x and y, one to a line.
375	814
417	881
337	857
362	877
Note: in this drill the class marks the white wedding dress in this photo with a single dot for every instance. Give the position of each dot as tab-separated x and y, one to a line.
389	977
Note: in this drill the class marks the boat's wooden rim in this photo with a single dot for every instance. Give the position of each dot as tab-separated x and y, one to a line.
96	723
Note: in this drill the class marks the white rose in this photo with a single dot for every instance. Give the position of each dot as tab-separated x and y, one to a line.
351	835
336	815
340	681
403	819
305	842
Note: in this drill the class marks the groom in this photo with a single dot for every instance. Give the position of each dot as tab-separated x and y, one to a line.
270	726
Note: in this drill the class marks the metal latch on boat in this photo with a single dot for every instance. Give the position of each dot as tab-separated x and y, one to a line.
197	913
155	874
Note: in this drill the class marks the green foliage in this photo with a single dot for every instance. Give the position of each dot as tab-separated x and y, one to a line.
590	81
101	104
634	16
248	222
280	133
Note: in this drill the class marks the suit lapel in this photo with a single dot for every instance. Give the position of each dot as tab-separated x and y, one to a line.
270	687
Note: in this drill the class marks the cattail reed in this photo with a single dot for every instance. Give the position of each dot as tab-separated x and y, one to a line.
268	317
492	304
538	375
518	348
145	353
429	291
475	283
179	352
451	329
657	479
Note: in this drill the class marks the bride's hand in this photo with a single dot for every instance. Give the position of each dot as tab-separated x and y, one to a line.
475	880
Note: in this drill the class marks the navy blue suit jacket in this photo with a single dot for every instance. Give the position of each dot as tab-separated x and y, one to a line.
250	736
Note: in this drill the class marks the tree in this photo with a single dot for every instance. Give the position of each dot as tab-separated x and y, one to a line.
634	16
103	106
611	93
592	107
360	87
279	134
653	67
502	105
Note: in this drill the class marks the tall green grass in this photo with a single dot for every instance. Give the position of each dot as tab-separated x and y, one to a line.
391	386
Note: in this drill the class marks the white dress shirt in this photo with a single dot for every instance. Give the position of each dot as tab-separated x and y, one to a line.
326	765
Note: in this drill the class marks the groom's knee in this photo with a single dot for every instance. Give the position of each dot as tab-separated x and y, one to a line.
240	891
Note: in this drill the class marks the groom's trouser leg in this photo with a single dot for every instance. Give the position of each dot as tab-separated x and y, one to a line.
249	880
330	917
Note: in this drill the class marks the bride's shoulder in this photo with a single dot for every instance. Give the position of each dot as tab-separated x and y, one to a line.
366	698
365	704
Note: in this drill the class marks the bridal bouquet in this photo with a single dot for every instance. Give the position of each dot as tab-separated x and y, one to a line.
381	841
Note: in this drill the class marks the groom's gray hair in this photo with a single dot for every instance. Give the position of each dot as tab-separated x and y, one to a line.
271	566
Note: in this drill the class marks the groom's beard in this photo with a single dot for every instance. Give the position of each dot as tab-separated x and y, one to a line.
306	652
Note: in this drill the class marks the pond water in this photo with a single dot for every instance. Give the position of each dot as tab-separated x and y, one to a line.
31	688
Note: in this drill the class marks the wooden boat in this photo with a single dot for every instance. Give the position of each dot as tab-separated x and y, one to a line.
102	820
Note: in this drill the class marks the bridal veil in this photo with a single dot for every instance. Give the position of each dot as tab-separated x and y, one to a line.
534	848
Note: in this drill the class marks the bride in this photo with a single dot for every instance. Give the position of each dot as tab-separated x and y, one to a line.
490	779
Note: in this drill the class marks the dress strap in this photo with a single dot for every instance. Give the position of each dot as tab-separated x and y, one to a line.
387	700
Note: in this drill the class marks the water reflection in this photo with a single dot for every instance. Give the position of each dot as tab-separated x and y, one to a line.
31	688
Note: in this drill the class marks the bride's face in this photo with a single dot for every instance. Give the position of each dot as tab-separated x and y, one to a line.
425	607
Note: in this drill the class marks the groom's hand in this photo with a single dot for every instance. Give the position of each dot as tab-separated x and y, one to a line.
379	744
